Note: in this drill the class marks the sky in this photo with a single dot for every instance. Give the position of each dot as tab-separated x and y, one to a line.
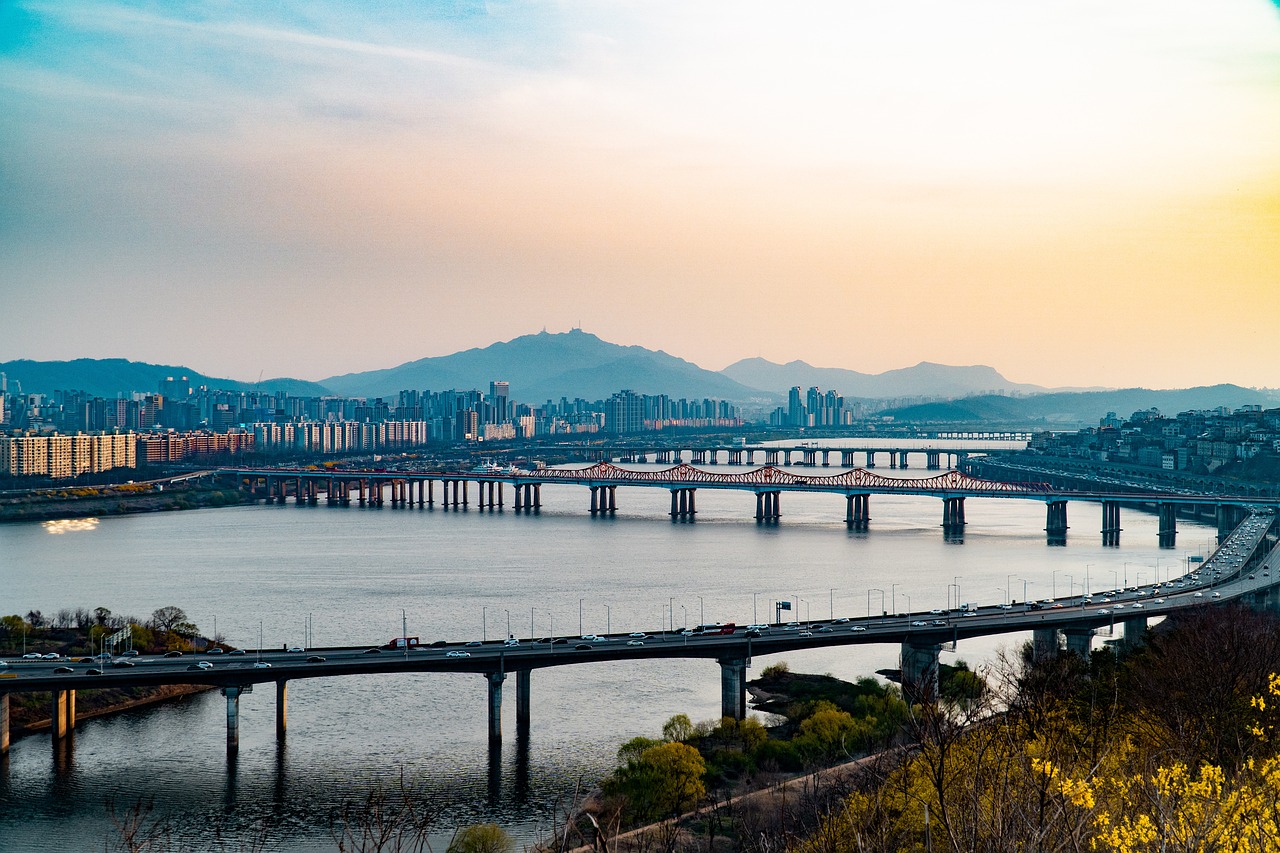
1075	192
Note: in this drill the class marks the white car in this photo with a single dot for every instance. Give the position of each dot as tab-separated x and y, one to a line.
457	653
635	642
639	635
857	628
511	641
262	665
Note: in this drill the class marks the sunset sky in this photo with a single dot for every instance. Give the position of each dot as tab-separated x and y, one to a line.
1075	193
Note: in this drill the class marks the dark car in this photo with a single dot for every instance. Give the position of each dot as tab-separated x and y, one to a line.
373	651
133	653
213	650
62	669
439	644
93	671
753	634
315	659
582	647
560	641
122	663
173	654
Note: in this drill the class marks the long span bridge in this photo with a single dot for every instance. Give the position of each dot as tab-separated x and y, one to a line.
408	488
1245	568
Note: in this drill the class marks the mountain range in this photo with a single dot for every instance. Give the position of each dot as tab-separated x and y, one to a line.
548	366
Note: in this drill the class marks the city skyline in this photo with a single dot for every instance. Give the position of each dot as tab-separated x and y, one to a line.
1074	196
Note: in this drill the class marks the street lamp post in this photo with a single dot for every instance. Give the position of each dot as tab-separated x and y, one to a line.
893	597
831	603
1005	590
755	619
957	578
484	622
684	615
1054	580
509	634
608	621
1087	588
1126	575
869	591
1008	579
908	598
702	613
1025	601
580	600
531	632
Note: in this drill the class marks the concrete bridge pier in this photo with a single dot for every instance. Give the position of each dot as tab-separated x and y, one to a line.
1229	518
857	510
953	517
768	506
282	707
233	718
4	724
522	702
1079	641
846	459
733	688
1168	525
1055	522
893	459
62	713
495	680
871	459
932	460
902	459
1110	524
1134	628
918	662
809	458
683	504
771	457
1044	643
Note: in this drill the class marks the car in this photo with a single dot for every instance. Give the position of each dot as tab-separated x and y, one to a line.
52	656
935	612
1217	595
969	613
582	647
475	643
940	623
511	641
843	620
261	665
1104	612
637	642
1118	607
1159	601
1004	606
639	635
122	662
857	628
752	633
589	638
93	670
173	654
133	653
63	669
194	667
560	641
1198	595
31	656
687	632
1137	605
315	659
372	652
439	644
806	633
919	623
213	650
204	664
296	649
232	652
825	629
457	653
1253	577
791	628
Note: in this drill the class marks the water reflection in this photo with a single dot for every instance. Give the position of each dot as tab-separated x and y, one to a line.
70	525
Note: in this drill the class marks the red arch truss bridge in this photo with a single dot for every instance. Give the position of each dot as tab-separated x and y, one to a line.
769	478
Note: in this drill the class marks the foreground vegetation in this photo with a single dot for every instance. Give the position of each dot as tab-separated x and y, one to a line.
94	501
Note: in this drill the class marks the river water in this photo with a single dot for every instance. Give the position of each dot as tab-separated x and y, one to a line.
352	572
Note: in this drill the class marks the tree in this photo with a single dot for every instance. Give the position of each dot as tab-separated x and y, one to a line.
678	728
662	781
101	615
482	838
173	620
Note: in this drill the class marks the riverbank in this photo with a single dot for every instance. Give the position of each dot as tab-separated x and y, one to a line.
97	501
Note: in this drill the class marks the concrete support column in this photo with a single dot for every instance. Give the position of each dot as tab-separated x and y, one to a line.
282	708
58	715
1079	641
1110	524
522	701
902	459
594	510
537	496
871	459
733	688
1134	628
4	723
613	499
919	666
1055	525
1044	642
1168	525
501	488
71	711
519	490
759	506
495	680
233	718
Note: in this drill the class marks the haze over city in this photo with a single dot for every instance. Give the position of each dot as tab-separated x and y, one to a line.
1075	194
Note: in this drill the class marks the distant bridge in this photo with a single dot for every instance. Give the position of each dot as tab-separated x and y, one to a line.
407	488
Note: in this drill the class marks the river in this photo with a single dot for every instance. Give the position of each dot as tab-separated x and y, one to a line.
353	571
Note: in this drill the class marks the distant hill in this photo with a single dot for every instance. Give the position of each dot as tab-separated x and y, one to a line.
1078	409
548	366
108	377
926	379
